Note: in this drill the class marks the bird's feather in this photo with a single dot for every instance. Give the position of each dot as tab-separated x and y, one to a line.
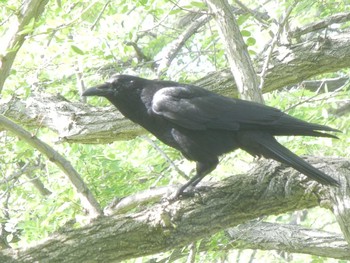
198	109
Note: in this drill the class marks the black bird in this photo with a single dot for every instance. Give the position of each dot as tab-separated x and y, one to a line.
203	125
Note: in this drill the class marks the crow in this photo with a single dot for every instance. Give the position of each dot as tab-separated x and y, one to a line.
203	125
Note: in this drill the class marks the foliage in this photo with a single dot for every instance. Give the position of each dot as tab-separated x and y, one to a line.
94	39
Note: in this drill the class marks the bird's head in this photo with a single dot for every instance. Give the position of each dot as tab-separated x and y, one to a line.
114	86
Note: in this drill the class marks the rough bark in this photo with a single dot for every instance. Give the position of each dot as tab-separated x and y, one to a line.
322	24
269	189
261	235
340	199
289	238
73	122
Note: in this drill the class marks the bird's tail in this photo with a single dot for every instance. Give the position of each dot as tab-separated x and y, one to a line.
269	147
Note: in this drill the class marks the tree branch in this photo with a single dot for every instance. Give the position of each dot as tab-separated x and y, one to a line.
86	197
334	19
342	110
325	85
236	51
261	235
17	33
340	199
269	236
269	189
171	50
73	122
290	64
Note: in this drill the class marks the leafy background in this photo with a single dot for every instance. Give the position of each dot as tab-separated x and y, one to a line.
92	38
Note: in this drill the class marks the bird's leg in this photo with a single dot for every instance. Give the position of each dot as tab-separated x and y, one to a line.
202	169
189	183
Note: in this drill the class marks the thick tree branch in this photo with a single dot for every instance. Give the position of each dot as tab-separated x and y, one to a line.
269	189
261	235
73	122
340	198
334	19
269	236
325	85
236	51
86	197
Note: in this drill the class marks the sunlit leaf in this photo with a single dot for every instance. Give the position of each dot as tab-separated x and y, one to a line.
77	50
251	41
200	5
245	33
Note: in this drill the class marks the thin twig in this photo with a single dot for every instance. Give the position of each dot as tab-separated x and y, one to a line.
80	79
14	176
312	98
165	156
172	49
186	9
99	15
160	22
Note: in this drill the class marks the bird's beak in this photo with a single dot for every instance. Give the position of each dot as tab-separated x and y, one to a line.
100	90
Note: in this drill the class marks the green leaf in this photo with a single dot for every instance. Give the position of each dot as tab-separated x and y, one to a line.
175	11
77	50
241	19
200	5
245	33
251	41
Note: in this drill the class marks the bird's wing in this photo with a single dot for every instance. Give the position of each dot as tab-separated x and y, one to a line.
198	109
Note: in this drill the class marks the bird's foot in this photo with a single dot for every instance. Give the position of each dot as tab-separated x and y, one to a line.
182	192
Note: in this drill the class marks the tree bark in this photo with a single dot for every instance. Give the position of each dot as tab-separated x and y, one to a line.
238	58
72	121
269	189
289	238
